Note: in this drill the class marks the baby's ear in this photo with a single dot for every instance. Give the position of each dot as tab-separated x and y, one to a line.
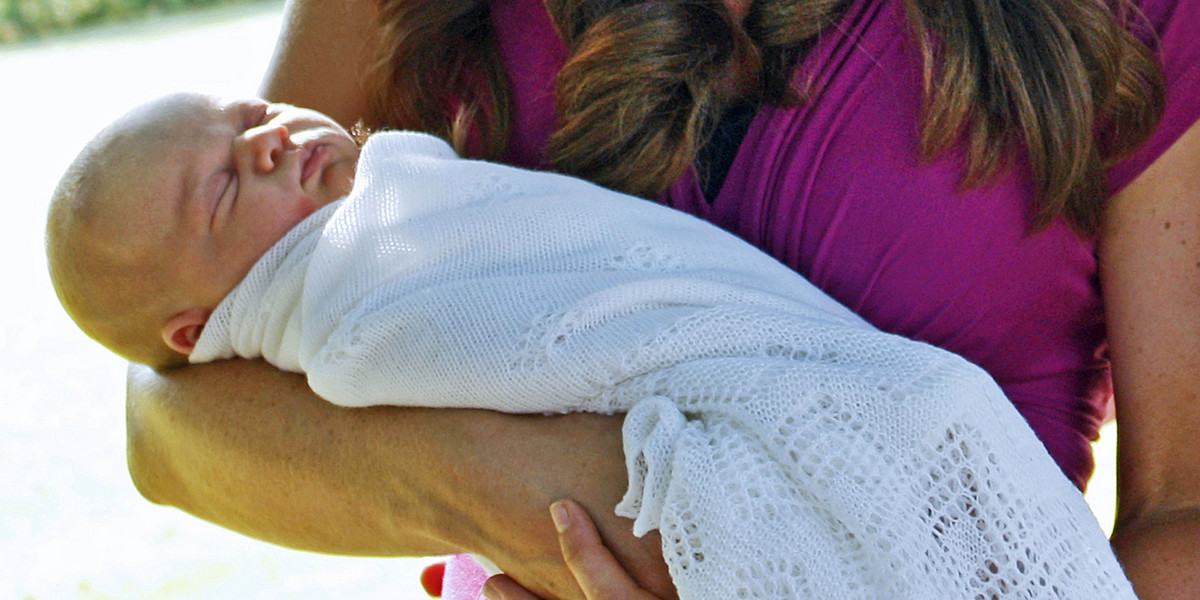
182	330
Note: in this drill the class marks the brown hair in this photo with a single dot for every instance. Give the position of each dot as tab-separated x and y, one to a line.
437	70
1064	80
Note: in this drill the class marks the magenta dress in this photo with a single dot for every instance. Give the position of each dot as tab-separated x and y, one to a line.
835	189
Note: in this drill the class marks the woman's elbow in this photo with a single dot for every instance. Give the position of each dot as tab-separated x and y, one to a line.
146	459
146	477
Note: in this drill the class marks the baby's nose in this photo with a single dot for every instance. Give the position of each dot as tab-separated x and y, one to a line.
264	146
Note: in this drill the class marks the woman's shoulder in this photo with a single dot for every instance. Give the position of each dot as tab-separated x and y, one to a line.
1172	29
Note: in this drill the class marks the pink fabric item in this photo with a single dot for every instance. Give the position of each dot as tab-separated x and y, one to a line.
464	579
835	189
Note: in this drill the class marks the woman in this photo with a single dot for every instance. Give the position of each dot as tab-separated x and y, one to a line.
978	234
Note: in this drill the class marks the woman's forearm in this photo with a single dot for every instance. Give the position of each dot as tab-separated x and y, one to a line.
250	448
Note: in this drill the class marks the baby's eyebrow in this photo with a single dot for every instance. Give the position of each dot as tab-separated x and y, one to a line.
241	109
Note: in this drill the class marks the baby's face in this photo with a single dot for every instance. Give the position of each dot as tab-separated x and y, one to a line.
229	179
262	168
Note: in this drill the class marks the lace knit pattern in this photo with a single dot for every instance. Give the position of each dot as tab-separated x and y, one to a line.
782	447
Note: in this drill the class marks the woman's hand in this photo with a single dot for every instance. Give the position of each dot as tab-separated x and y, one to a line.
596	570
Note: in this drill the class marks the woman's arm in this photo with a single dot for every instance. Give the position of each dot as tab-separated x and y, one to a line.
324	49
251	448
1150	270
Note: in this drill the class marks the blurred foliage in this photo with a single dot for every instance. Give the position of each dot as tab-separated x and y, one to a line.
30	19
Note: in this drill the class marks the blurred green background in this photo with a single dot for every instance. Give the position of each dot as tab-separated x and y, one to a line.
24	20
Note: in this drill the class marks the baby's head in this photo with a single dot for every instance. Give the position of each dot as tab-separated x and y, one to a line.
165	211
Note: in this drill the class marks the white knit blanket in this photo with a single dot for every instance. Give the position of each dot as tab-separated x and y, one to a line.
783	447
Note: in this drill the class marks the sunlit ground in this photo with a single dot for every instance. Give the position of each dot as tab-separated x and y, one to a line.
71	524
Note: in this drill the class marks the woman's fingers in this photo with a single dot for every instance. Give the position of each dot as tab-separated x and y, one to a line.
595	568
501	587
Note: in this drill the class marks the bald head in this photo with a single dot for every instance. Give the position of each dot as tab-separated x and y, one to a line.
104	236
168	208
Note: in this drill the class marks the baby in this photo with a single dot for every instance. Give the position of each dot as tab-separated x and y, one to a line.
162	214
782	446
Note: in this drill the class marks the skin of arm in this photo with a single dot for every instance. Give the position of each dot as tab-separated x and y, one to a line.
248	447
1150	271
323	50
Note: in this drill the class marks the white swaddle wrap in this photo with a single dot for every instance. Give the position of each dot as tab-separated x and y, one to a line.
782	446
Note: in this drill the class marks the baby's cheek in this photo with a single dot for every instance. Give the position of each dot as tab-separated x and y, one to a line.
306	206
287	216
338	179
